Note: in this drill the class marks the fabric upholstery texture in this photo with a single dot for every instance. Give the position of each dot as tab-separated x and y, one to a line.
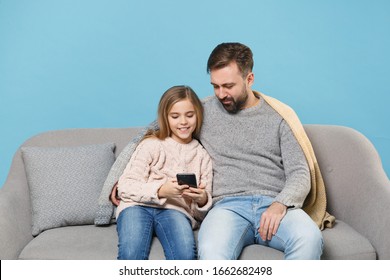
65	183
357	189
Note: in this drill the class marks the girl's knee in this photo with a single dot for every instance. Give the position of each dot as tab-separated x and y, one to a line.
127	251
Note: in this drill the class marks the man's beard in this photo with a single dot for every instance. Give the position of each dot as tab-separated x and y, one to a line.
234	106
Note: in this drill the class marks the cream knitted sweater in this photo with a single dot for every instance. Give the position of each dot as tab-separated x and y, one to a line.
153	163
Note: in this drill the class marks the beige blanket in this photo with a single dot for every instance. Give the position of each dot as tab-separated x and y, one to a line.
315	203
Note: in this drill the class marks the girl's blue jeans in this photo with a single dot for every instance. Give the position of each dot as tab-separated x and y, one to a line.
136	226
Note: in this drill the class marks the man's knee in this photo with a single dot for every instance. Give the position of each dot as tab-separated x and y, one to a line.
303	239
308	245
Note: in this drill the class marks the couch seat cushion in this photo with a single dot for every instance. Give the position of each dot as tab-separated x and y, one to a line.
73	243
342	242
87	242
100	243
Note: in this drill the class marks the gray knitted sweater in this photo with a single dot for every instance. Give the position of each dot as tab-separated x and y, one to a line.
254	152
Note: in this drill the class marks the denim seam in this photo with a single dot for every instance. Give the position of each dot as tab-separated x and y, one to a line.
146	250
171	251
280	240
248	227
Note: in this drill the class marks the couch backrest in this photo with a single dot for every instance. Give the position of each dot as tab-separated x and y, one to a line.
84	136
351	168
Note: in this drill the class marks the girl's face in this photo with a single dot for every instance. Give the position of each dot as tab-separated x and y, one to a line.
182	121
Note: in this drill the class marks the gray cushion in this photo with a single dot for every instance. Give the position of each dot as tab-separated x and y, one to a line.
342	242
73	243
91	242
65	183
80	243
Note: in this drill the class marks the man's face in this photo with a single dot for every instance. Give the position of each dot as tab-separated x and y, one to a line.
231	88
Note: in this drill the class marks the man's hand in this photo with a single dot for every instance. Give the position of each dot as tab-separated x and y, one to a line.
270	220
114	195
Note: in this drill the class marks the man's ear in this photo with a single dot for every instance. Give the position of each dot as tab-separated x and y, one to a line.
250	79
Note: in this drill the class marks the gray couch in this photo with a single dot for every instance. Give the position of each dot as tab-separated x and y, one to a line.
358	193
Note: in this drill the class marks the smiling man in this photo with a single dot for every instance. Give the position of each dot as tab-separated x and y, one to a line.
261	176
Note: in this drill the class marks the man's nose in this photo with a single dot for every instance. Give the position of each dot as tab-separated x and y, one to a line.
220	93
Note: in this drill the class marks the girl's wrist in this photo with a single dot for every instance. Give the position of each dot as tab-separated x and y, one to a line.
160	192
202	202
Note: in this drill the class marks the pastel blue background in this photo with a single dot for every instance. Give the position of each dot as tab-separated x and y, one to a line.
78	64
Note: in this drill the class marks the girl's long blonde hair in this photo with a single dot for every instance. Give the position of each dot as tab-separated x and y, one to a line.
168	99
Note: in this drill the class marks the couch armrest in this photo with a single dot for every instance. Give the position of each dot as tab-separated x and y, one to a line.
357	187
15	211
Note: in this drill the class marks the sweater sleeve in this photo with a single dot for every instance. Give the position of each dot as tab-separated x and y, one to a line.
133	185
297	172
206	178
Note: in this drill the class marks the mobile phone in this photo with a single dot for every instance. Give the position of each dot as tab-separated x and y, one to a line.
187	179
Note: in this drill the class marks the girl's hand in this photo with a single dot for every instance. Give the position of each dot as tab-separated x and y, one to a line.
171	189
199	195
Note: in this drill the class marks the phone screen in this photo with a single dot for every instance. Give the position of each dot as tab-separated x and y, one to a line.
187	179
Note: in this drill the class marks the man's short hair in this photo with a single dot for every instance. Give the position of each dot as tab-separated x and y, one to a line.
226	53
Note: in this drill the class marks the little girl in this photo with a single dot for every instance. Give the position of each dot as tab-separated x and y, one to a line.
151	200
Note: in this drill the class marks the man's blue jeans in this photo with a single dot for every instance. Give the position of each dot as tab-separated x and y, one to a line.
137	224
233	224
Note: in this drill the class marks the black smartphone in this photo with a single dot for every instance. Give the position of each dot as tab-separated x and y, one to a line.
187	179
